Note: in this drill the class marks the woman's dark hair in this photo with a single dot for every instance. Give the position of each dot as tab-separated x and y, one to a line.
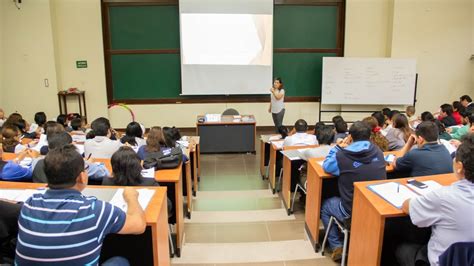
401	122
170	135
126	167
283	131
40	118
100	127
386	112
340	125
325	135
318	126
360	131
427	116
154	140
279	80
457	105
59	140
76	124
465	98
379	117
133	130
62	166
62	119
9	132
465	155
337	118
12	119
21	124
447	108
393	113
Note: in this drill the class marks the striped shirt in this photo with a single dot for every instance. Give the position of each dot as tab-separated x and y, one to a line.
64	227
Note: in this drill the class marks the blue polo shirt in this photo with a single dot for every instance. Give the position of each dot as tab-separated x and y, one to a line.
431	159
64	227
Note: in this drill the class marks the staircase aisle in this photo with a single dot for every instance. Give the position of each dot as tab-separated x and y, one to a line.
238	221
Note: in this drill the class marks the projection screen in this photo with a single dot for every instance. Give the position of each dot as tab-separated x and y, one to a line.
226	46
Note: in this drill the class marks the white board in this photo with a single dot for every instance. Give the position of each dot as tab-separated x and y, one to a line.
378	81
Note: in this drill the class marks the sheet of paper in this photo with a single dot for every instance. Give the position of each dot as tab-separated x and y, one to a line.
213	118
394	193
292	154
451	149
80	148
148	173
26	162
278	144
432	185
144	197
321	163
183	143
19	194
78	138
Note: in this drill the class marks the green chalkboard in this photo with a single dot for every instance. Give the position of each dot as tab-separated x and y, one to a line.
301	73
137	74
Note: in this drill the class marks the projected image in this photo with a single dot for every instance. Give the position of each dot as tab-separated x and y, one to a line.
226	39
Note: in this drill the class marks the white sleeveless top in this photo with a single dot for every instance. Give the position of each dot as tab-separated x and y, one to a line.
278	105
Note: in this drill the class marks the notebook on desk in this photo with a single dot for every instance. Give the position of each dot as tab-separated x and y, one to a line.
292	154
393	192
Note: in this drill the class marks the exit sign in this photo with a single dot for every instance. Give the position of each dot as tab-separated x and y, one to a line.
81	64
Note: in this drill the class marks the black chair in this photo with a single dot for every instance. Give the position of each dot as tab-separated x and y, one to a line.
230	111
460	253
8	230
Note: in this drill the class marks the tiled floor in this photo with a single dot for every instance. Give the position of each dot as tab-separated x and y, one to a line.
231	186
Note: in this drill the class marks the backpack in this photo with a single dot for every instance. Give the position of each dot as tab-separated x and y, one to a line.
163	159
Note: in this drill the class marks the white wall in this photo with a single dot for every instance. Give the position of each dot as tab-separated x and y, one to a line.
28	59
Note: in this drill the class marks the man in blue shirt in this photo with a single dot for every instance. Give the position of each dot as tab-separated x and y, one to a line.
354	159
64	227
430	158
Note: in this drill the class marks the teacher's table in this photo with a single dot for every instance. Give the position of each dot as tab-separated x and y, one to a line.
230	134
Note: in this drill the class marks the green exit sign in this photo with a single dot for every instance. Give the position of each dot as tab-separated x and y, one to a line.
81	64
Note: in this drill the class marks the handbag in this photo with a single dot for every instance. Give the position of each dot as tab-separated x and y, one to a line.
163	159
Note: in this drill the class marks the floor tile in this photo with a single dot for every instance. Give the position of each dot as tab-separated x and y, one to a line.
202	233
286	231
313	262
241	232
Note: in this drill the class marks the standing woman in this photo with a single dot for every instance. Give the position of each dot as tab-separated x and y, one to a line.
277	105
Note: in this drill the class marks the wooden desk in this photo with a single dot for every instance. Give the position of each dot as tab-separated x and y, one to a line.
174	177
195	164
286	178
156	215
227	135
314	188
265	153
272	165
368	219
8	156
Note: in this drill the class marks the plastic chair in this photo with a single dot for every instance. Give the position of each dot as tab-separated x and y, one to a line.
345	228
230	111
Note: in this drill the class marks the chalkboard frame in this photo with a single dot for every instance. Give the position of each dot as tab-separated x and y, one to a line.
109	52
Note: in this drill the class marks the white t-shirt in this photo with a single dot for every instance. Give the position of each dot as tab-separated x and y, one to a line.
101	147
278	105
300	139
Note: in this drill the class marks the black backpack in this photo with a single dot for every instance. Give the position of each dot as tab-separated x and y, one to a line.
163	159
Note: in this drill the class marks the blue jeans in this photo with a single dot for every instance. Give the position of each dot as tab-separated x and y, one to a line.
116	261
332	207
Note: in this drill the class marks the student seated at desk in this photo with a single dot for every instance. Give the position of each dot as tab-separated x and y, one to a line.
446	115
78	127
23	127
51	128
40	120
389	117
13	171
355	159
380	119
101	146
300	138
71	224
376	136
340	126
325	136
429	158
449	211
466	101
2	117
458	132
11	139
154	143
133	135
457	109
95	172
398	135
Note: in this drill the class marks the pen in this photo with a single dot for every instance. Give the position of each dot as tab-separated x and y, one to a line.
88	157
398	188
